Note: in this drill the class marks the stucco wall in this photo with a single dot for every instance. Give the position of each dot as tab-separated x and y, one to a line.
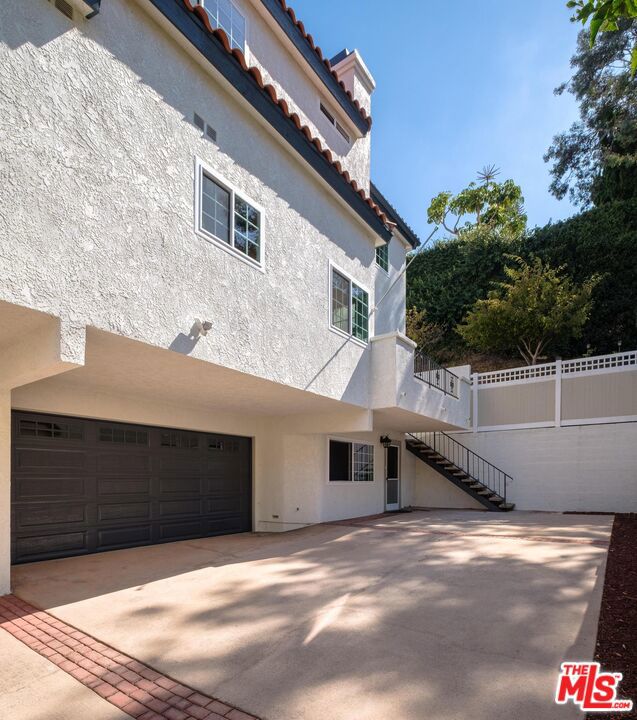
294	81
581	468
429	489
96	204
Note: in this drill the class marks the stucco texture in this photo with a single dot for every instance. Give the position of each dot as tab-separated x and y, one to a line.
96	204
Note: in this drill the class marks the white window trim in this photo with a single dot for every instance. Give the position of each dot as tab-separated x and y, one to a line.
349	336
352	482
380	267
200	168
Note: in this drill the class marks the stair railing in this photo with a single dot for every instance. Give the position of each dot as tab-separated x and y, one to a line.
476	467
428	370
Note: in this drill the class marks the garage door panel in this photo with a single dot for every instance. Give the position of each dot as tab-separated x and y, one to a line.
82	486
182	463
37	459
123	486
40	488
228	504
222	526
173	508
36	547
180	485
124	463
110	512
111	538
182	530
50	515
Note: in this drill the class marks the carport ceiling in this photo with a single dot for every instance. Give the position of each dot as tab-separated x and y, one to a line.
117	365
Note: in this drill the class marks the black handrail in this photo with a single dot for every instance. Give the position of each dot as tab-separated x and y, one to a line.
430	372
475	466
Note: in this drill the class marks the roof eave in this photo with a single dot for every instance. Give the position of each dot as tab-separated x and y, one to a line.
313	55
394	216
262	100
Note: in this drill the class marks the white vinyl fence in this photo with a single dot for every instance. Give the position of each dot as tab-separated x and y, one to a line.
584	391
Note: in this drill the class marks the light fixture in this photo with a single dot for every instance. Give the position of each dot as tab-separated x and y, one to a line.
200	328
385	441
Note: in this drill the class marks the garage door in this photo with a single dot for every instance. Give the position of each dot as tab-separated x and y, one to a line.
82	486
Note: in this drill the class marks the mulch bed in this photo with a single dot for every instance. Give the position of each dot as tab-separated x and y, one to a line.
616	649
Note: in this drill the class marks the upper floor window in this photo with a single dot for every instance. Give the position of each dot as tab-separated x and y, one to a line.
227	216
349	306
333	121
225	15
382	257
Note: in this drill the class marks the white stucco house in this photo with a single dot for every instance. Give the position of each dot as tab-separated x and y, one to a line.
202	304
202	292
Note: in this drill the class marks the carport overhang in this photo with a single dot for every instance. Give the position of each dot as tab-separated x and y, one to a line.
50	365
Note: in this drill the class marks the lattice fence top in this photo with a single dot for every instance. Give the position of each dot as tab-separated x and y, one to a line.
549	370
601	362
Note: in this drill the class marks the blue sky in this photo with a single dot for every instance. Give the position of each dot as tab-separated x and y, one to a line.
459	85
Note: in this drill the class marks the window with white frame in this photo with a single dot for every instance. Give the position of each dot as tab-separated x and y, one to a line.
227	216
382	257
351	462
349	307
224	14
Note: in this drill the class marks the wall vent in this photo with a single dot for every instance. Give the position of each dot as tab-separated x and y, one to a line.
65	8
208	131
86	8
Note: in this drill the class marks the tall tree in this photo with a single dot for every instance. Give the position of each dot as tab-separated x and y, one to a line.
601	240
605	16
595	161
536	309
485	205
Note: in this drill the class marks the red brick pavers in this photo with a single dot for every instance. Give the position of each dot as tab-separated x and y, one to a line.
133	687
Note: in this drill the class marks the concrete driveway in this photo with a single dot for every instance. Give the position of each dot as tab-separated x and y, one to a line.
440	615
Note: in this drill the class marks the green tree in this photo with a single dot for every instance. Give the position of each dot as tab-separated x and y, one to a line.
595	161
537	308
605	16
602	241
446	279
485	205
423	332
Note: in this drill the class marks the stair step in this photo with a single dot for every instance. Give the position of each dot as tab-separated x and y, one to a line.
453	472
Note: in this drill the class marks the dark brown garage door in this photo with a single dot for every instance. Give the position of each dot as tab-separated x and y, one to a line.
82	486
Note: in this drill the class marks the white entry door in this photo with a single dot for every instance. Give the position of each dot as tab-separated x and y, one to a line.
392	478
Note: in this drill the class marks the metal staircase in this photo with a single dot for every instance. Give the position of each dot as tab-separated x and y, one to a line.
465	469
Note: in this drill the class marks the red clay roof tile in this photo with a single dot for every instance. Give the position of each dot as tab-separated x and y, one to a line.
319	52
255	73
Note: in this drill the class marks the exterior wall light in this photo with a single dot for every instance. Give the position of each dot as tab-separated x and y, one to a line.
385	441
200	328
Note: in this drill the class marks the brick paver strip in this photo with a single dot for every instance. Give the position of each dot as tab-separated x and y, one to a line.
136	689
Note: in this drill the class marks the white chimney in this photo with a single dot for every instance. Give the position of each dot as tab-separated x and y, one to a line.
353	73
